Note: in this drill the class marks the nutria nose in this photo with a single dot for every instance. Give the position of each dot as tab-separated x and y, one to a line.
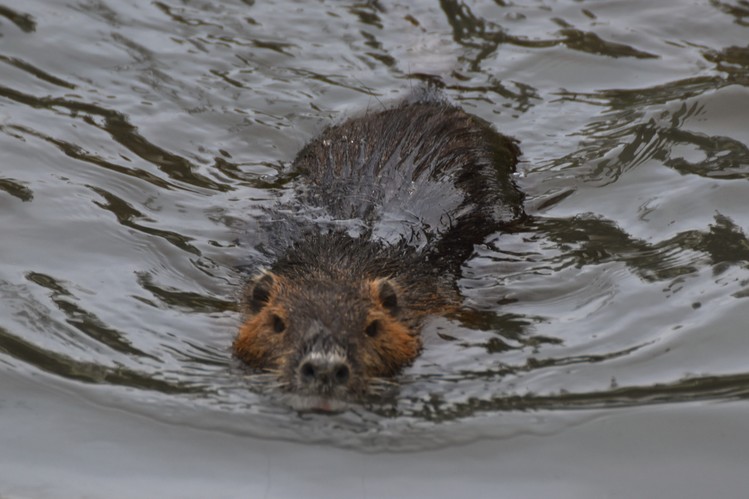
325	370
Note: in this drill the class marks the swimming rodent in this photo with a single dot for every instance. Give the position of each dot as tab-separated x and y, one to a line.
386	207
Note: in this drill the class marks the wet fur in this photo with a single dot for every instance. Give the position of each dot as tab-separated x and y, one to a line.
442	175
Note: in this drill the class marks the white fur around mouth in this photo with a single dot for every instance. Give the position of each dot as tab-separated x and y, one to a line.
336	356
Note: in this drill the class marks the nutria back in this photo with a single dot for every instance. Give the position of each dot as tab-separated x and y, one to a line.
386	208
417	171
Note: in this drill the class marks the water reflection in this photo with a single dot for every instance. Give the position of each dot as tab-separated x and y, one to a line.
738	10
591	241
732	387
486	35
139	139
25	22
626	139
16	189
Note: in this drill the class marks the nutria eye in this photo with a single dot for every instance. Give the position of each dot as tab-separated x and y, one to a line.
278	324
373	329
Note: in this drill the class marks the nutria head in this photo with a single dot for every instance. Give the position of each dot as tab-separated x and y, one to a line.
336	315
327	336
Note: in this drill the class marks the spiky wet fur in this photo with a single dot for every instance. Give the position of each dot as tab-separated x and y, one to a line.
444	176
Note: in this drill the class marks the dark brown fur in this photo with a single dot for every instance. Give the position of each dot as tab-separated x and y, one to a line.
341	306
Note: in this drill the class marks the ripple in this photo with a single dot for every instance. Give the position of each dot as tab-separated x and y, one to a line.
24	22
16	189
142	139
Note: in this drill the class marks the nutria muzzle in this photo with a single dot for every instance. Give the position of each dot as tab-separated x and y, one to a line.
323	367
323	372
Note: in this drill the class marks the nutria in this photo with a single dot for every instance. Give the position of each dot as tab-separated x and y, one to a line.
386	208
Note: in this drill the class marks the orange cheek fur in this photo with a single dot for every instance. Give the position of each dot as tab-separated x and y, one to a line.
257	344
395	344
394	347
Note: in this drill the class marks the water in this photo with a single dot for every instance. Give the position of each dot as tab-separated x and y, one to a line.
602	351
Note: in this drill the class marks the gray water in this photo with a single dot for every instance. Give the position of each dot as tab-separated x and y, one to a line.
603	348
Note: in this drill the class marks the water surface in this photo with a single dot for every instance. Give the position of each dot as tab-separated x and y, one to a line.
602	350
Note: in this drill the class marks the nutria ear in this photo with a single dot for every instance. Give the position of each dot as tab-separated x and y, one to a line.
388	296
258	291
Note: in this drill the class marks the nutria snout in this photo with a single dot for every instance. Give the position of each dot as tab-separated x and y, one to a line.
324	370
